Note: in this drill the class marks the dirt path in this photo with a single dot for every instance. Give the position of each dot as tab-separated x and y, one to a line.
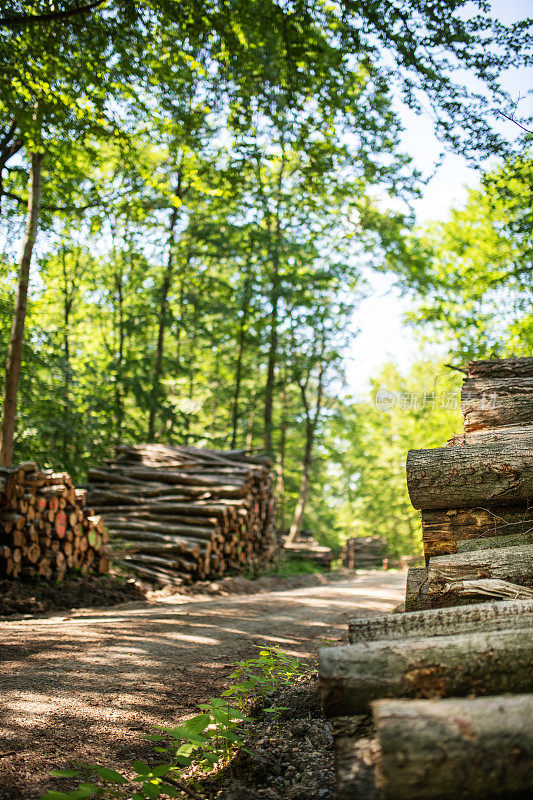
88	685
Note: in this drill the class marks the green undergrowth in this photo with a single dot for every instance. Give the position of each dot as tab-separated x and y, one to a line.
200	746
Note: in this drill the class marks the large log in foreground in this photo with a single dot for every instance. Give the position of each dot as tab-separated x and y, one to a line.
178	514
352	676
470	476
455	749
443	622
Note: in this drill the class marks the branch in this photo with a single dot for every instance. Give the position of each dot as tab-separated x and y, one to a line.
31	19
511	119
22	201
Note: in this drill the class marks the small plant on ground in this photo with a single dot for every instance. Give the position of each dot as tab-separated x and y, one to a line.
198	746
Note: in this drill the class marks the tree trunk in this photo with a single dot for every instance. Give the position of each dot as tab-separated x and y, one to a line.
352	676
505	615
163	311
303	494
444	530
243	325
492	402
311	427
468	749
465	477
272	358
280	477
14	353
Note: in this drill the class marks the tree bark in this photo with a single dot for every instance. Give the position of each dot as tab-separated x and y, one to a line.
468	749
352	676
465	477
416	589
504	615
492	402
163	311
443	530
501	368
14	354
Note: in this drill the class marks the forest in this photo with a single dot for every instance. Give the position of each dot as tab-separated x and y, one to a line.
193	195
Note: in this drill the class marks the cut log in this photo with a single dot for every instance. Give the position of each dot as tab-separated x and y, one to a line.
495	542
468	591
416	589
487	435
492	402
443	622
442	530
465	477
513	565
468	749
355	761
351	676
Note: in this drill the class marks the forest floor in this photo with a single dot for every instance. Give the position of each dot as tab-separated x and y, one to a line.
87	685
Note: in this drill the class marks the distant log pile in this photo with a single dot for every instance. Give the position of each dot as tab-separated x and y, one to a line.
306	548
434	679
179	514
45	530
363	552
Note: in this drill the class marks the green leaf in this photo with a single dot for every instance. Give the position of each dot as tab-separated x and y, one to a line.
52	795
151	790
109	775
65	773
161	769
141	768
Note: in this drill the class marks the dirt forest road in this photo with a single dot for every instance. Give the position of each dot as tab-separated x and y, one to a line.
88	685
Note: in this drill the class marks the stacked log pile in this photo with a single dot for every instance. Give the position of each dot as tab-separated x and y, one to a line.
480	486
179	514
45	530
363	552
306	548
449	687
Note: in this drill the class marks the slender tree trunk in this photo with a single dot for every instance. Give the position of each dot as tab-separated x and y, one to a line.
119	402
311	427
303	494
280	481
272	348
14	353
163	309
275	293
245	309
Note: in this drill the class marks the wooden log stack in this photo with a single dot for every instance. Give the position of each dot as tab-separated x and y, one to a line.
45	530
480	486
363	552
447	691
179	514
